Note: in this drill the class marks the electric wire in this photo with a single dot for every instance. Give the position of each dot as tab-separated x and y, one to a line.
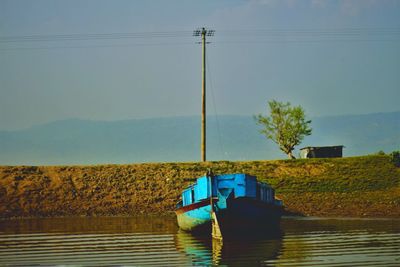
230	37
99	36
181	34
315	31
98	46
239	42
215	107
316	41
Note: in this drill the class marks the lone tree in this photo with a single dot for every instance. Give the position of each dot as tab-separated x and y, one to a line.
286	125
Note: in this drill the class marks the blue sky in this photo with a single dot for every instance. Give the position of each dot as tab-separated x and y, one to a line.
331	57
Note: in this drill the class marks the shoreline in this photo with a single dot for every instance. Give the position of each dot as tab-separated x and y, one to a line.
363	187
172	215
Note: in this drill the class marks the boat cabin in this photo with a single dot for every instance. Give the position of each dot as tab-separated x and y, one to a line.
228	185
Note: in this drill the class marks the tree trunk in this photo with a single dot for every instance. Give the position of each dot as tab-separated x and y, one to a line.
290	155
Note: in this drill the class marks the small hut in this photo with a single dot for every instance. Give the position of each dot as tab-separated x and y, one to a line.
321	152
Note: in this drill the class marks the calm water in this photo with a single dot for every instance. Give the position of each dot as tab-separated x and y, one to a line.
156	241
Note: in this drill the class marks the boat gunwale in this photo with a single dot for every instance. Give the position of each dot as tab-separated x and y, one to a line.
196	205
206	202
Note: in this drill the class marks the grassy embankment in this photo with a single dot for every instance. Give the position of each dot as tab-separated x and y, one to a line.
358	186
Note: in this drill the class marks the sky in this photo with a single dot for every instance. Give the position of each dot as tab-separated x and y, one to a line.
123	59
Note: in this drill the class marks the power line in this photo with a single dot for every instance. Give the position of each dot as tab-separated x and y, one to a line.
97	46
237	42
311	35
85	37
306	33
215	109
314	31
305	41
228	37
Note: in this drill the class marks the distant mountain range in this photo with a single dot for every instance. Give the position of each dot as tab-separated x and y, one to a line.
172	139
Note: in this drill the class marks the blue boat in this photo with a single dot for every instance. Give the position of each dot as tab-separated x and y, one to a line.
235	203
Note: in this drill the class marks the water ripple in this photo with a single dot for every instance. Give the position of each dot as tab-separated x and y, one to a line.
142	242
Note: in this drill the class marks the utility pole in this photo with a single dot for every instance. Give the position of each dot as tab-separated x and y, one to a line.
203	32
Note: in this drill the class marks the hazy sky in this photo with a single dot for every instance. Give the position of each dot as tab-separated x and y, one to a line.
331	57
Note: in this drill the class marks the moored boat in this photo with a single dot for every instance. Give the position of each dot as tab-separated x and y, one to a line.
237	203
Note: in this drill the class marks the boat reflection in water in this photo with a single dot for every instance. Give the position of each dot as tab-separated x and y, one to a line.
156	241
238	250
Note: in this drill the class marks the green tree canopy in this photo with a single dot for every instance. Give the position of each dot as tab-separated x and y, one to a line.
286	125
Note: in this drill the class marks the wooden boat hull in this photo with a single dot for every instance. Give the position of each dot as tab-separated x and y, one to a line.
236	216
195	217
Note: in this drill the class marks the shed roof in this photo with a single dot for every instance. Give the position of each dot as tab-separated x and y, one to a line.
313	147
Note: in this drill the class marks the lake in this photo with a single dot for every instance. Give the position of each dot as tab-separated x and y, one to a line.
157	241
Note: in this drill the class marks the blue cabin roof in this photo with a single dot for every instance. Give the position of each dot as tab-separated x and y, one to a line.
242	185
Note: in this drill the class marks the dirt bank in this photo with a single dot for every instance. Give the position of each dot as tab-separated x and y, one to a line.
359	186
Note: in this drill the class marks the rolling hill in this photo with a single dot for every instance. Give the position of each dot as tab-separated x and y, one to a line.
76	141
